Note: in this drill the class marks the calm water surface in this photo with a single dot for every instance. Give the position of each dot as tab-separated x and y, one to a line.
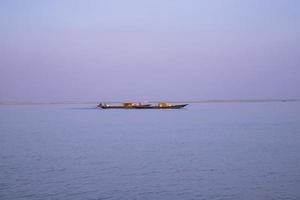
206	151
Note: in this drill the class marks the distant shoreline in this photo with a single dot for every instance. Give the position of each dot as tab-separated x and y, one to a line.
190	102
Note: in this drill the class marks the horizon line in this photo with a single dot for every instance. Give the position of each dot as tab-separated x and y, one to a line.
183	101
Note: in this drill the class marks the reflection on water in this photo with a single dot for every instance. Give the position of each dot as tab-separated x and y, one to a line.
206	151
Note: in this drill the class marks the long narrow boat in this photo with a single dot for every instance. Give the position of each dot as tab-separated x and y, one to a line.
141	106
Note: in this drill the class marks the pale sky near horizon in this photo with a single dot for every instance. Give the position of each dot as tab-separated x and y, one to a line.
63	50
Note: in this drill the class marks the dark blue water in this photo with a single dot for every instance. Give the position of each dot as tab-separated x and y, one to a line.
206	151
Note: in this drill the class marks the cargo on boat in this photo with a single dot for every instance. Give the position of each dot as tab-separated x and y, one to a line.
130	105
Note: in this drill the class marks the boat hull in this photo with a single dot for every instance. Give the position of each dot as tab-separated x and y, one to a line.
174	106
145	107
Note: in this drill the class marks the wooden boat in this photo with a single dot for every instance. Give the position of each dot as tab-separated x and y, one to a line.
141	106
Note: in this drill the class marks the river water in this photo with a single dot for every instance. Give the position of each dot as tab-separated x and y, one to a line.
205	151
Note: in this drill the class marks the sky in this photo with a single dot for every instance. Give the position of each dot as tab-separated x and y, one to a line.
116	50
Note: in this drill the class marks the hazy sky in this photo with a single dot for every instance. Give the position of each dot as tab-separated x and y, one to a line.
149	50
